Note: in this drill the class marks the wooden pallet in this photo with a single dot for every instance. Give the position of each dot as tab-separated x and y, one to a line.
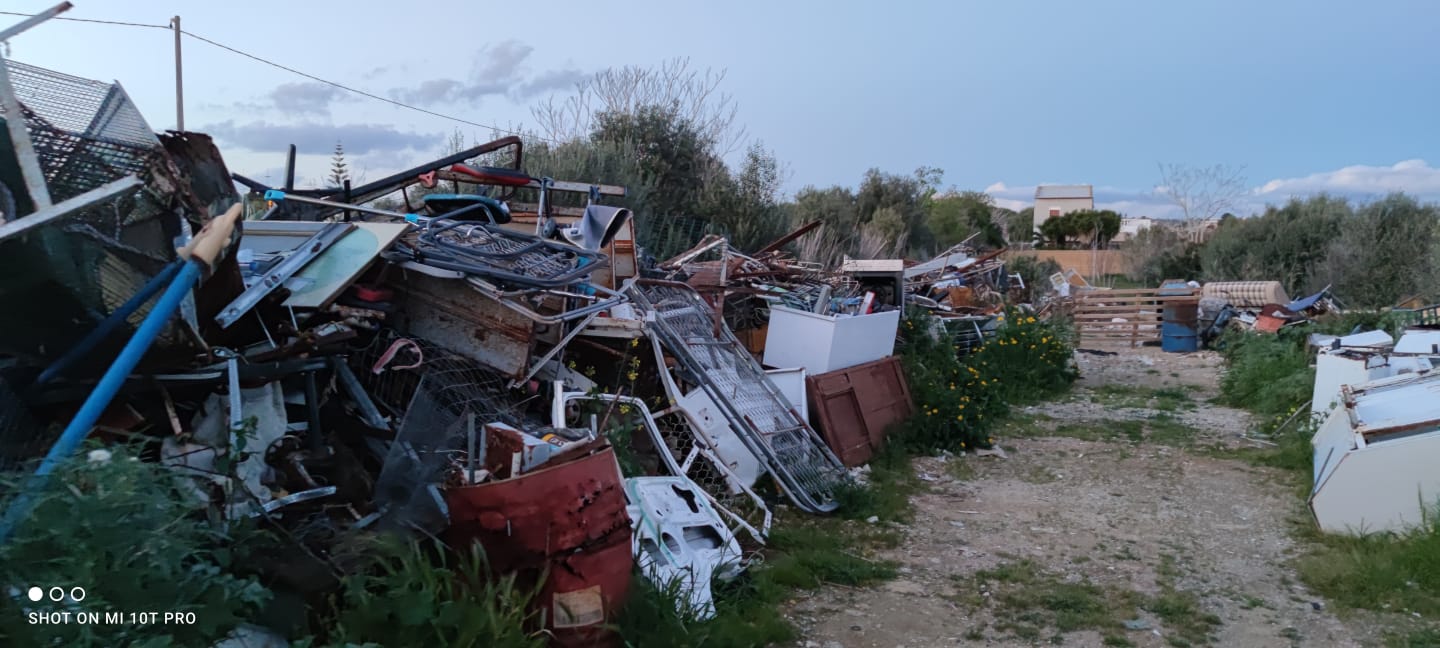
1096	312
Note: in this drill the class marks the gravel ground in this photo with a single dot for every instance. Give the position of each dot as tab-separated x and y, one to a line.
1142	518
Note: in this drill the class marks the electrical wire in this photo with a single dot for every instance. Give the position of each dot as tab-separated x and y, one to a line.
294	71
90	20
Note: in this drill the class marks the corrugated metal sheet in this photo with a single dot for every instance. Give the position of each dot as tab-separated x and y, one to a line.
1043	192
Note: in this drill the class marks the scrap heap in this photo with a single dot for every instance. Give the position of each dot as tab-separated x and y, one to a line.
457	367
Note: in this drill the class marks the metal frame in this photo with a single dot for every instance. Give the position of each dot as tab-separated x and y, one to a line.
795	455
679	469
15	119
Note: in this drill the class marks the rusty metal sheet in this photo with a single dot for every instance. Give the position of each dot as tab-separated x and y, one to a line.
455	316
855	406
567	521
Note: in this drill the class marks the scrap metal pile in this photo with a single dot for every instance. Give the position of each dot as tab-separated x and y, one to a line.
487	364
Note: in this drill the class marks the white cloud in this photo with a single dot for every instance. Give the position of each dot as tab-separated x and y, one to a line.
1410	176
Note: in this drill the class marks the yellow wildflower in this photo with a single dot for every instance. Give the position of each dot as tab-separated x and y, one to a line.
632	376
634	343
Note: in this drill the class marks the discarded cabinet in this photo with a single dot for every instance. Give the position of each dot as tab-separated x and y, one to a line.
854	407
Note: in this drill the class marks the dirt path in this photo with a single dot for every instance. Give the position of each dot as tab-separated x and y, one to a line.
1115	519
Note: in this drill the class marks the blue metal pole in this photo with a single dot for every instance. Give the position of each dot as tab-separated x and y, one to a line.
104	392
110	324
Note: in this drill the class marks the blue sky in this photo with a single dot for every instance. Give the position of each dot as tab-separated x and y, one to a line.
1312	96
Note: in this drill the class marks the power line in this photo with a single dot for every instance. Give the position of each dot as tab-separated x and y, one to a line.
88	20
291	70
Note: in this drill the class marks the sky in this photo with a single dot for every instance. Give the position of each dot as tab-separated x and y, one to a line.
1319	96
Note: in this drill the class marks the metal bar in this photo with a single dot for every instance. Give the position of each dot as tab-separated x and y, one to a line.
313	434
559	346
290	169
20	137
110	324
370	191
179	80
469	447
104	392
286	196
352	386
298	259
44	215
34	20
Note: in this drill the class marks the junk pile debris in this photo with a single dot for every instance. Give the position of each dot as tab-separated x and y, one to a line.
486	361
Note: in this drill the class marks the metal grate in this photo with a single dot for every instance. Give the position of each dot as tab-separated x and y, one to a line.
507	258
432	391
76	270
754	407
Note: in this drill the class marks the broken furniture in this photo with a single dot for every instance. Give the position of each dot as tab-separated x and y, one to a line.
855	407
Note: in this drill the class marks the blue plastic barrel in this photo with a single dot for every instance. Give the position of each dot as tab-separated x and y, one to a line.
1176	337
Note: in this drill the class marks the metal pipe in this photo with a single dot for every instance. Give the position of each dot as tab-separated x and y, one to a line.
44	215
179	80
108	326
34	20
104	392
312	410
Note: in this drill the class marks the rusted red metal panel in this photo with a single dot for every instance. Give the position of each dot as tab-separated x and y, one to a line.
838	418
853	407
567	521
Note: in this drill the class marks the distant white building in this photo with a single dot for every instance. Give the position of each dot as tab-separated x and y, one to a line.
1130	227
1052	201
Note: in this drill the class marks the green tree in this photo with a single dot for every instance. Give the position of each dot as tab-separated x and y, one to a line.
1021	226
339	170
1288	244
1384	253
954	217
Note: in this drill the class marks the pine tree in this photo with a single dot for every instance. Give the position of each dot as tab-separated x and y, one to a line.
339	172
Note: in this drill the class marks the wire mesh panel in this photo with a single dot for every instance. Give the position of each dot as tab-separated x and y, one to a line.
715	360
435	393
76	270
702	467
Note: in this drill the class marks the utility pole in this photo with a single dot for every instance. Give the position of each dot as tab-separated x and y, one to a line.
179	79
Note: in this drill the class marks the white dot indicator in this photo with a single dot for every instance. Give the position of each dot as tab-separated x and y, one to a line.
36	594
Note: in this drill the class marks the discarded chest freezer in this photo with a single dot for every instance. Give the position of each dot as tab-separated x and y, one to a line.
1375	456
825	343
1361	358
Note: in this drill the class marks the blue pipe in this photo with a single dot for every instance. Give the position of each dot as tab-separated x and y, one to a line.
109	325
104	392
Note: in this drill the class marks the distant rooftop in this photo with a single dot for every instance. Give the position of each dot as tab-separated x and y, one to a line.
1064	191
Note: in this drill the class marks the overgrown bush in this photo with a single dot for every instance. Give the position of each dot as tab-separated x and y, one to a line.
958	400
118	528
1266	374
1028	360
954	408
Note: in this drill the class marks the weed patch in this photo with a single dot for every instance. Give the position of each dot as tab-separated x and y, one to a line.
1027	601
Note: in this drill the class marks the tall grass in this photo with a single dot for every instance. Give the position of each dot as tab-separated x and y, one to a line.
1267	374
